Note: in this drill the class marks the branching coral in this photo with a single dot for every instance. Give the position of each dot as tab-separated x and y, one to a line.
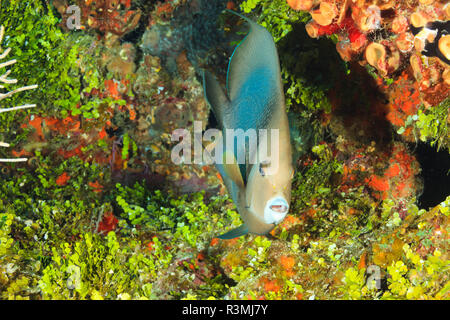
4	79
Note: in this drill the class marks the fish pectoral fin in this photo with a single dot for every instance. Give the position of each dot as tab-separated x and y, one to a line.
231	169
239	231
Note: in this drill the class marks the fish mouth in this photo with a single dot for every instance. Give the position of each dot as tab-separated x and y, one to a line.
275	210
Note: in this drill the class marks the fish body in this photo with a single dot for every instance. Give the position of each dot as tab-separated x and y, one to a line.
260	186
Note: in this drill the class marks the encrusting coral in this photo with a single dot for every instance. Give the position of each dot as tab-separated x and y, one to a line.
4	79
106	16
358	25
400	43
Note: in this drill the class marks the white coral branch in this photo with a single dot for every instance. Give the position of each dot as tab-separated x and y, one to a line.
9	94
14	160
4	54
4	79
2	33
25	106
8	63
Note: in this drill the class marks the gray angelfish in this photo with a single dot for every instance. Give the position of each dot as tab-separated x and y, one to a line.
254	99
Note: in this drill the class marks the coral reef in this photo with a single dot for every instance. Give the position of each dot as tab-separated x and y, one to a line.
99	210
192	31
403	44
106	16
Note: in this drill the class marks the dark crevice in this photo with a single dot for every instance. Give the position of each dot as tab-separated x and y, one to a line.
435	173
136	35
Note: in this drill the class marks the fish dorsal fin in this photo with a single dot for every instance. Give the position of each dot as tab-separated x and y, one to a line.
232	170
216	97
239	231
254	62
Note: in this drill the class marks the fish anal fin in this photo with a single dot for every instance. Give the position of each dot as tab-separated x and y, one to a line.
235	233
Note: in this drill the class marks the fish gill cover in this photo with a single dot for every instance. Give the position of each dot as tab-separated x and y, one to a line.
97	209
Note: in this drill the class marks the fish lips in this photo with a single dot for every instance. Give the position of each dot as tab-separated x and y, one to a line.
275	211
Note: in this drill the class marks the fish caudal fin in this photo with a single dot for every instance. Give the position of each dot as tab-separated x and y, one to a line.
235	233
216	97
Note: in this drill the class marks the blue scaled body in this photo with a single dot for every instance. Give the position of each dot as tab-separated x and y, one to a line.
254	99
